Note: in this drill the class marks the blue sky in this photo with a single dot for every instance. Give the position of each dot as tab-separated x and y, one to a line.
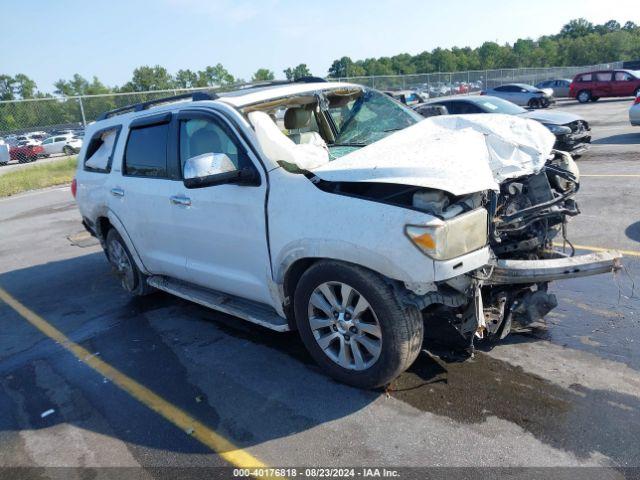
50	40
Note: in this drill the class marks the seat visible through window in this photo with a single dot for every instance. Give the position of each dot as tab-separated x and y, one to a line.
302	127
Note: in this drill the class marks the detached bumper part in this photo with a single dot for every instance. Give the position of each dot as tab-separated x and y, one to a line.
507	272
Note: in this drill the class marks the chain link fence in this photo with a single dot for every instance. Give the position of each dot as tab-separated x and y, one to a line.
48	114
454	83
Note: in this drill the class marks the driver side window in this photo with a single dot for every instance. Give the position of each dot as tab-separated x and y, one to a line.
206	141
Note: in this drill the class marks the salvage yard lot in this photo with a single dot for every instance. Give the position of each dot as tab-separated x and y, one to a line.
566	392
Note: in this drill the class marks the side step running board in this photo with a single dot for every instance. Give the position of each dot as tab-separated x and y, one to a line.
253	312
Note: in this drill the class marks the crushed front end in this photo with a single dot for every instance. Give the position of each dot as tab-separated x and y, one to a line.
527	217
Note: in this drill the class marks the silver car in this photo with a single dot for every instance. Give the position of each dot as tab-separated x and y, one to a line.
523	95
634	112
560	86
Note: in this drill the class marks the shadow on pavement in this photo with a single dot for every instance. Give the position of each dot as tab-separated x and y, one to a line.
247	383
620	139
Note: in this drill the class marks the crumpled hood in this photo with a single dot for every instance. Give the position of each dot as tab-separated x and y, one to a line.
460	154
551	117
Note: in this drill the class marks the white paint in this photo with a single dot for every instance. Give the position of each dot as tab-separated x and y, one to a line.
459	153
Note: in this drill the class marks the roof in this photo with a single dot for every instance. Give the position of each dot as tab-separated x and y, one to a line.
243	97
235	98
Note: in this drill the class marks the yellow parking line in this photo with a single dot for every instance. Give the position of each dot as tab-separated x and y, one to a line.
216	442
631	253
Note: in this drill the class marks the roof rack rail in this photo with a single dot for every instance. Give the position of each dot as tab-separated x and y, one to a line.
138	107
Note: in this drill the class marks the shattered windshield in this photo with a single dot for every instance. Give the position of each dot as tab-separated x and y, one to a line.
368	118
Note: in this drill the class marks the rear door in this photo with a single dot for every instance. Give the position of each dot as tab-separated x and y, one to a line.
602	84
140	195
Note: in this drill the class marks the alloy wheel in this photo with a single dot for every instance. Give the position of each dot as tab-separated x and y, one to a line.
345	326
120	261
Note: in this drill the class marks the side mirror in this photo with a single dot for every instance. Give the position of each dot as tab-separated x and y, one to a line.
246	176
212	169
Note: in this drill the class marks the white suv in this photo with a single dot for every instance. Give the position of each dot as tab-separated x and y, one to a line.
351	219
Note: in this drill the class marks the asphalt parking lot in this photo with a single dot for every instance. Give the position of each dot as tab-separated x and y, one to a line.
91	377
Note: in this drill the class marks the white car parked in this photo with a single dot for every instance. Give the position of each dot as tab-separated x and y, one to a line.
355	225
67	144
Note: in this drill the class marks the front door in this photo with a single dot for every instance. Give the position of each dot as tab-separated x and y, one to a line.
623	84
222	227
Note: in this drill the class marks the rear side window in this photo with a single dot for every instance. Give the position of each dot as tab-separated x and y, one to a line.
603	76
99	154
146	152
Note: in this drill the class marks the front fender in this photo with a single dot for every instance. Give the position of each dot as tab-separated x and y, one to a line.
336	250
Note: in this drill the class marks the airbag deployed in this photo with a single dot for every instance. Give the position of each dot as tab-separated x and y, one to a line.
276	146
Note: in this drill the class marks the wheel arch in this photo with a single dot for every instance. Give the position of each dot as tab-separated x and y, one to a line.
109	220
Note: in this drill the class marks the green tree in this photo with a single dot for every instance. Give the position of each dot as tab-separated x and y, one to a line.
24	87
186	79
147	78
297	72
263	75
345	67
215	76
577	28
6	87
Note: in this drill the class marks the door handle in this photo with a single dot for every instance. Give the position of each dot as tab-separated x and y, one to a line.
180	200
117	192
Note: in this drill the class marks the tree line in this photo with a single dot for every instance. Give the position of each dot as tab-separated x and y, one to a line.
579	42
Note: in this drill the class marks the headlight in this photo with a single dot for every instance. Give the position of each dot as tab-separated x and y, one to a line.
452	238
557	129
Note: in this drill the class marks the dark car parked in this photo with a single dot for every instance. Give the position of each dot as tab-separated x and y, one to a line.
591	86
572	132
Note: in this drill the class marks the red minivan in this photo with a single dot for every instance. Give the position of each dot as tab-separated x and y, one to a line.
591	86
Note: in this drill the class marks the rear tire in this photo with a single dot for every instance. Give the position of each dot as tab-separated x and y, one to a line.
595	99
583	96
365	340
131	278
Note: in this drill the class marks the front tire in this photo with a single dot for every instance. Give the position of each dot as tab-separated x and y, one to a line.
354	325
131	278
584	96
534	103
67	150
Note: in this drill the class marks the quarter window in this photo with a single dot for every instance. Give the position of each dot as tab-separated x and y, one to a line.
99	154
146	152
585	78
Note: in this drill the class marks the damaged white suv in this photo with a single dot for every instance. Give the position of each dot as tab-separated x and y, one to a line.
332	209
